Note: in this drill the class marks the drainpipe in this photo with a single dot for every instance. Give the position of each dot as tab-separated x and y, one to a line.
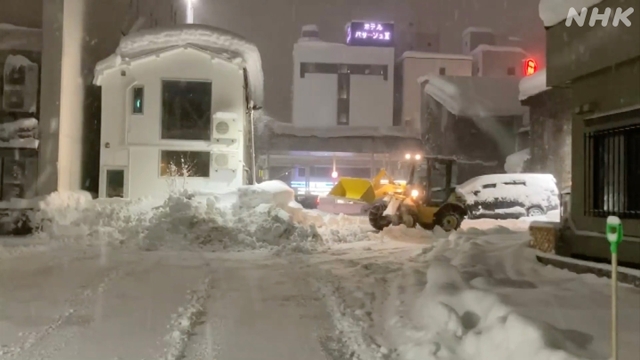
252	110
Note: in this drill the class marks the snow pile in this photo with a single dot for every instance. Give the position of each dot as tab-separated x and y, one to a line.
458	321
233	46
533	85
21	133
553	12
263	216
184	322
515	162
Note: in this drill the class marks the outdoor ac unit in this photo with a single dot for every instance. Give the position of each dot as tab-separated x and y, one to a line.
225	161
20	85
226	127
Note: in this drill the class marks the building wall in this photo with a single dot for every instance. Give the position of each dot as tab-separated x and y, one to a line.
315	96
135	140
476	142
497	63
550	129
414	68
471	39
77	34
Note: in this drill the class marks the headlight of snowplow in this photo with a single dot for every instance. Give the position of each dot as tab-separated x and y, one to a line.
415	193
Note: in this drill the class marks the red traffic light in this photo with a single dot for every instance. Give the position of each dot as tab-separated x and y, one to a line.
530	67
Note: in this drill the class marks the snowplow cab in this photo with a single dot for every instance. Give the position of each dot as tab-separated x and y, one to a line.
429	198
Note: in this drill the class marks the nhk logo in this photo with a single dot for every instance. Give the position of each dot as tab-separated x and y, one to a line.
620	16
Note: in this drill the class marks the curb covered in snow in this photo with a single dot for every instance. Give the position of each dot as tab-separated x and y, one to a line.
625	276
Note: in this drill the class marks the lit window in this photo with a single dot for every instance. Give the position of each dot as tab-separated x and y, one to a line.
138	100
185	164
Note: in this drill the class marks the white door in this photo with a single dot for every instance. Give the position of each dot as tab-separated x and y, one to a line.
115	184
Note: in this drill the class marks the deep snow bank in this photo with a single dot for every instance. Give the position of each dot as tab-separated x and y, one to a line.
263	216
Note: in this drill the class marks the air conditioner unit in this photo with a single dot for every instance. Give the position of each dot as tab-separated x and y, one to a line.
20	85
225	161
226	127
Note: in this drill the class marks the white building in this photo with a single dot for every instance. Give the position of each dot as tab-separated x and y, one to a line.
339	85
415	65
175	107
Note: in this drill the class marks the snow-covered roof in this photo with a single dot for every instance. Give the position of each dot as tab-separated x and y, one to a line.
534	84
476	96
485	47
477	30
206	38
553	12
280	128
20	38
430	55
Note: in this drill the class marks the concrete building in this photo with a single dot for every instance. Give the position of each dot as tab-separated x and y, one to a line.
549	129
340	85
175	112
498	61
474	119
414	66
76	34
601	67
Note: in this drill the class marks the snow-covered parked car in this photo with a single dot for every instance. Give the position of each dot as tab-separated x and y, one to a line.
508	196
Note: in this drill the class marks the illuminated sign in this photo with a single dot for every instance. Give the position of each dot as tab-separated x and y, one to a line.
360	33
530	67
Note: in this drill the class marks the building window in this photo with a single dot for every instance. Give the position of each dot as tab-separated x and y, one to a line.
344	88
186	110
185	164
443	71
353	69
612	172
511	71
138	100
302	172
115	183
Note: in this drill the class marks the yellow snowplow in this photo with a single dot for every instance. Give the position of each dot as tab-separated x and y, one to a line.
365	190
412	203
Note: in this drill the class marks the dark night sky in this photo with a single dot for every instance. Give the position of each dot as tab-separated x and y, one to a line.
274	25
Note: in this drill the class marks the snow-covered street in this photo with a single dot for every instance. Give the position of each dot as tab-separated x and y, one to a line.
251	276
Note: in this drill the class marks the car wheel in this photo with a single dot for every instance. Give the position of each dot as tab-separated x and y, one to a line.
535	211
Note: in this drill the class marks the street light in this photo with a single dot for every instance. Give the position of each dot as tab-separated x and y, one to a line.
190	11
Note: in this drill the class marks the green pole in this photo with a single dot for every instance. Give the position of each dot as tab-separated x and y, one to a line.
614	236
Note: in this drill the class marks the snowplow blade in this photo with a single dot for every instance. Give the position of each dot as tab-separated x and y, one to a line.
352	189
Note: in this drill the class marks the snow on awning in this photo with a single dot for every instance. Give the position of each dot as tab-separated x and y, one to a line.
553	12
19	134
219	41
533	85
476	96
280	128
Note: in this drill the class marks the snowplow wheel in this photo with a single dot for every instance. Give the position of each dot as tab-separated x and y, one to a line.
376	219
449	221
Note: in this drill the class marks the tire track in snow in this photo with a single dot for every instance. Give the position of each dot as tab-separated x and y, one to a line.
184	322
35	344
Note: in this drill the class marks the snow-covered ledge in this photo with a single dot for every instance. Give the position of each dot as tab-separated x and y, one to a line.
553	12
533	85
